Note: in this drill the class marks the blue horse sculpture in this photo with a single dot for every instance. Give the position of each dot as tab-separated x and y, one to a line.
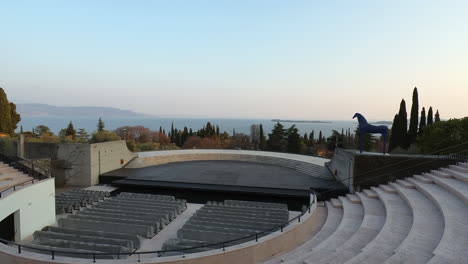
364	127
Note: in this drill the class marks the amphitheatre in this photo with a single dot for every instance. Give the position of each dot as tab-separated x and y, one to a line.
101	203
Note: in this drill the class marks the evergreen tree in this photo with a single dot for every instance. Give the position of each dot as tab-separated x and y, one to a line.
311	139
320	139
430	118
422	123
70	131
294	140
82	136
437	116
160	130
305	139
191	132
5	113
261	138
100	125
217	131
413	126
277	140
21	129
398	138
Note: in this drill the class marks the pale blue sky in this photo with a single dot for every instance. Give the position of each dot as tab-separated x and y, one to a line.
255	59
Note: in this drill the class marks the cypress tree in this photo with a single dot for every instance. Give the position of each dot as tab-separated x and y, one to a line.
422	123
160	130
430	118
403	132
394	140
437	116
262	138
399	136
413	126
305	139
100	125
320	139
311	138
5	113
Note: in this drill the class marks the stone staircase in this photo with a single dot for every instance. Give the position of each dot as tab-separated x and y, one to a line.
421	219
10	177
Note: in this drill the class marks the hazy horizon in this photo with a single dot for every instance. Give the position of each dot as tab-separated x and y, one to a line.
238	59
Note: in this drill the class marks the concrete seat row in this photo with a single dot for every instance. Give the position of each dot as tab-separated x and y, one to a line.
147	196
421	219
77	198
220	222
256	204
113	225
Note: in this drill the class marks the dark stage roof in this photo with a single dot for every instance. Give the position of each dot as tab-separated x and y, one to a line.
229	176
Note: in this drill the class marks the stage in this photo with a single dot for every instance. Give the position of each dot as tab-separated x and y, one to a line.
215	180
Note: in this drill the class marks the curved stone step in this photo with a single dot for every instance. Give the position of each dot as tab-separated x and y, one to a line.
426	231
457	175
397	226
334	216
454	242
352	219
458	188
374	219
458	168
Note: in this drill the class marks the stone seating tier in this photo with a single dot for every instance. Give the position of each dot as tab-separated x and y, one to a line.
414	220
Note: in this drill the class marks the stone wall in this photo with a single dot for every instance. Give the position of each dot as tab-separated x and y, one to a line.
33	207
306	164
81	164
108	156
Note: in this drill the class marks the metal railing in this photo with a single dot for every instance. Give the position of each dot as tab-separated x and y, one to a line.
27	166
160	253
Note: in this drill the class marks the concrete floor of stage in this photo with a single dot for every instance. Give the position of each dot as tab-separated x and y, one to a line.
231	175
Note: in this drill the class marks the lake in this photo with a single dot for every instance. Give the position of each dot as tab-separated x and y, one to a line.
56	123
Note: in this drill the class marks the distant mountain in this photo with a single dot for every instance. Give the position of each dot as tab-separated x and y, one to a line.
51	110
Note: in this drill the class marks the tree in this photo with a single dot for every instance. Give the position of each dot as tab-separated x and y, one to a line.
15	117
5	113
444	134
82	136
398	137
104	136
422	123
277	139
320	138
100	125
430	119
311	139
255	136
41	129
262	138
413	126
70	131
437	116
335	140
294	140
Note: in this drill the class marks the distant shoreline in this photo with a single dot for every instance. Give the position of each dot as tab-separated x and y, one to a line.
301	121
